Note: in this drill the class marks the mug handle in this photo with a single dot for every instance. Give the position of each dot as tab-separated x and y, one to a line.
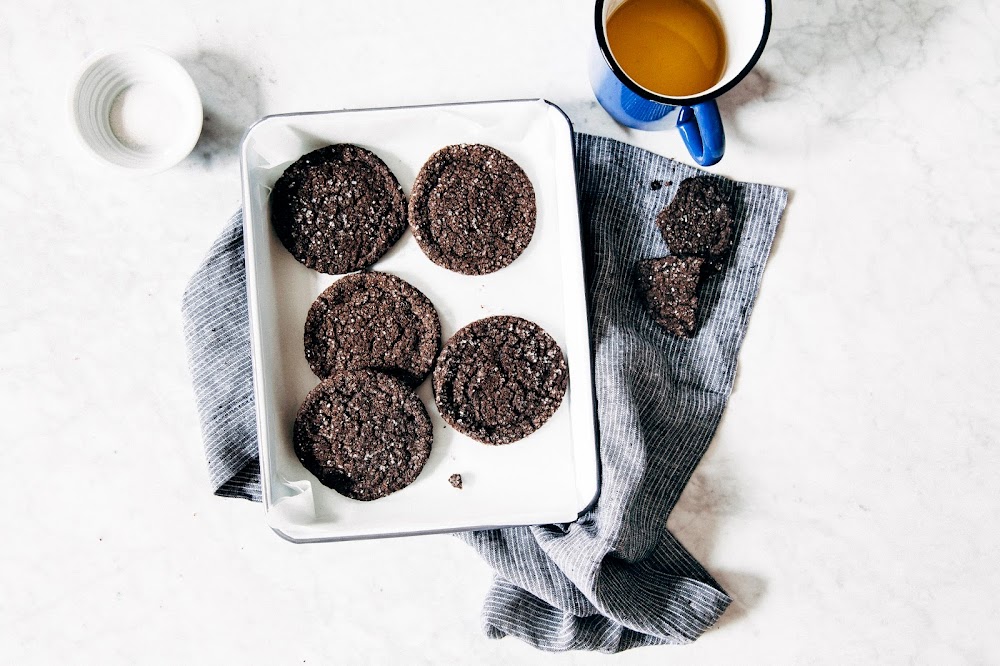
701	129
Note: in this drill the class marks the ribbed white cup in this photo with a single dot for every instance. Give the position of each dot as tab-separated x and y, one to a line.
104	76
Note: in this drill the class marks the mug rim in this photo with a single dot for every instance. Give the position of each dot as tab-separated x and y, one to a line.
645	93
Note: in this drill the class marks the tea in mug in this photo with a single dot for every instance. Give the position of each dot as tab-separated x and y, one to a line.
674	48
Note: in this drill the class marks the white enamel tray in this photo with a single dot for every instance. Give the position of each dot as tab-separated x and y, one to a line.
548	477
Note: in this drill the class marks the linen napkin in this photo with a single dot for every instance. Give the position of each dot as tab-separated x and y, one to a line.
616	578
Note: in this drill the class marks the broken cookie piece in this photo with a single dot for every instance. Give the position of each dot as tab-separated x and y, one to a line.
455	480
669	289
699	220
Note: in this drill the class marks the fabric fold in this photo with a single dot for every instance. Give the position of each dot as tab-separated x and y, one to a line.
217	334
616	578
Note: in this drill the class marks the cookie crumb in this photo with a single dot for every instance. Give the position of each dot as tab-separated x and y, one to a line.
655	185
455	480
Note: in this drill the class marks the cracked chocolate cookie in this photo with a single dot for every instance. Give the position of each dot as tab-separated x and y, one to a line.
363	434
669	290
472	209
499	379
698	221
338	209
374	321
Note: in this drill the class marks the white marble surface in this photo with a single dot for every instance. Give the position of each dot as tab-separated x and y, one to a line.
849	501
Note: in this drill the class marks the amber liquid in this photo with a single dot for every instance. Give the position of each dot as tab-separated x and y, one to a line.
675	48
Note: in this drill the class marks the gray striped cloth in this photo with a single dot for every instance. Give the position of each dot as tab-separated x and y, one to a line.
616	578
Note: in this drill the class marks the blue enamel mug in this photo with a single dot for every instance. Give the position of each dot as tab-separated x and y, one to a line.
745	23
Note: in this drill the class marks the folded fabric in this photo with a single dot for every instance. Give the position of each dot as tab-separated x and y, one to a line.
616	578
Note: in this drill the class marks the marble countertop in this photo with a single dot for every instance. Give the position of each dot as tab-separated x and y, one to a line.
848	502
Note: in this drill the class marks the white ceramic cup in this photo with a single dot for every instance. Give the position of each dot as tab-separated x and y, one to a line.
139	90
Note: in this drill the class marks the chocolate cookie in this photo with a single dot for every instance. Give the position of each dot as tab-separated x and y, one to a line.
363	433
499	379
338	209
472	209
699	220
669	289
372	321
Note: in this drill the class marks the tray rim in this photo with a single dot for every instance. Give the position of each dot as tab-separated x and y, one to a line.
255	333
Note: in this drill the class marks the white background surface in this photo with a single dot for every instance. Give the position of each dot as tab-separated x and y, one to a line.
849	501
